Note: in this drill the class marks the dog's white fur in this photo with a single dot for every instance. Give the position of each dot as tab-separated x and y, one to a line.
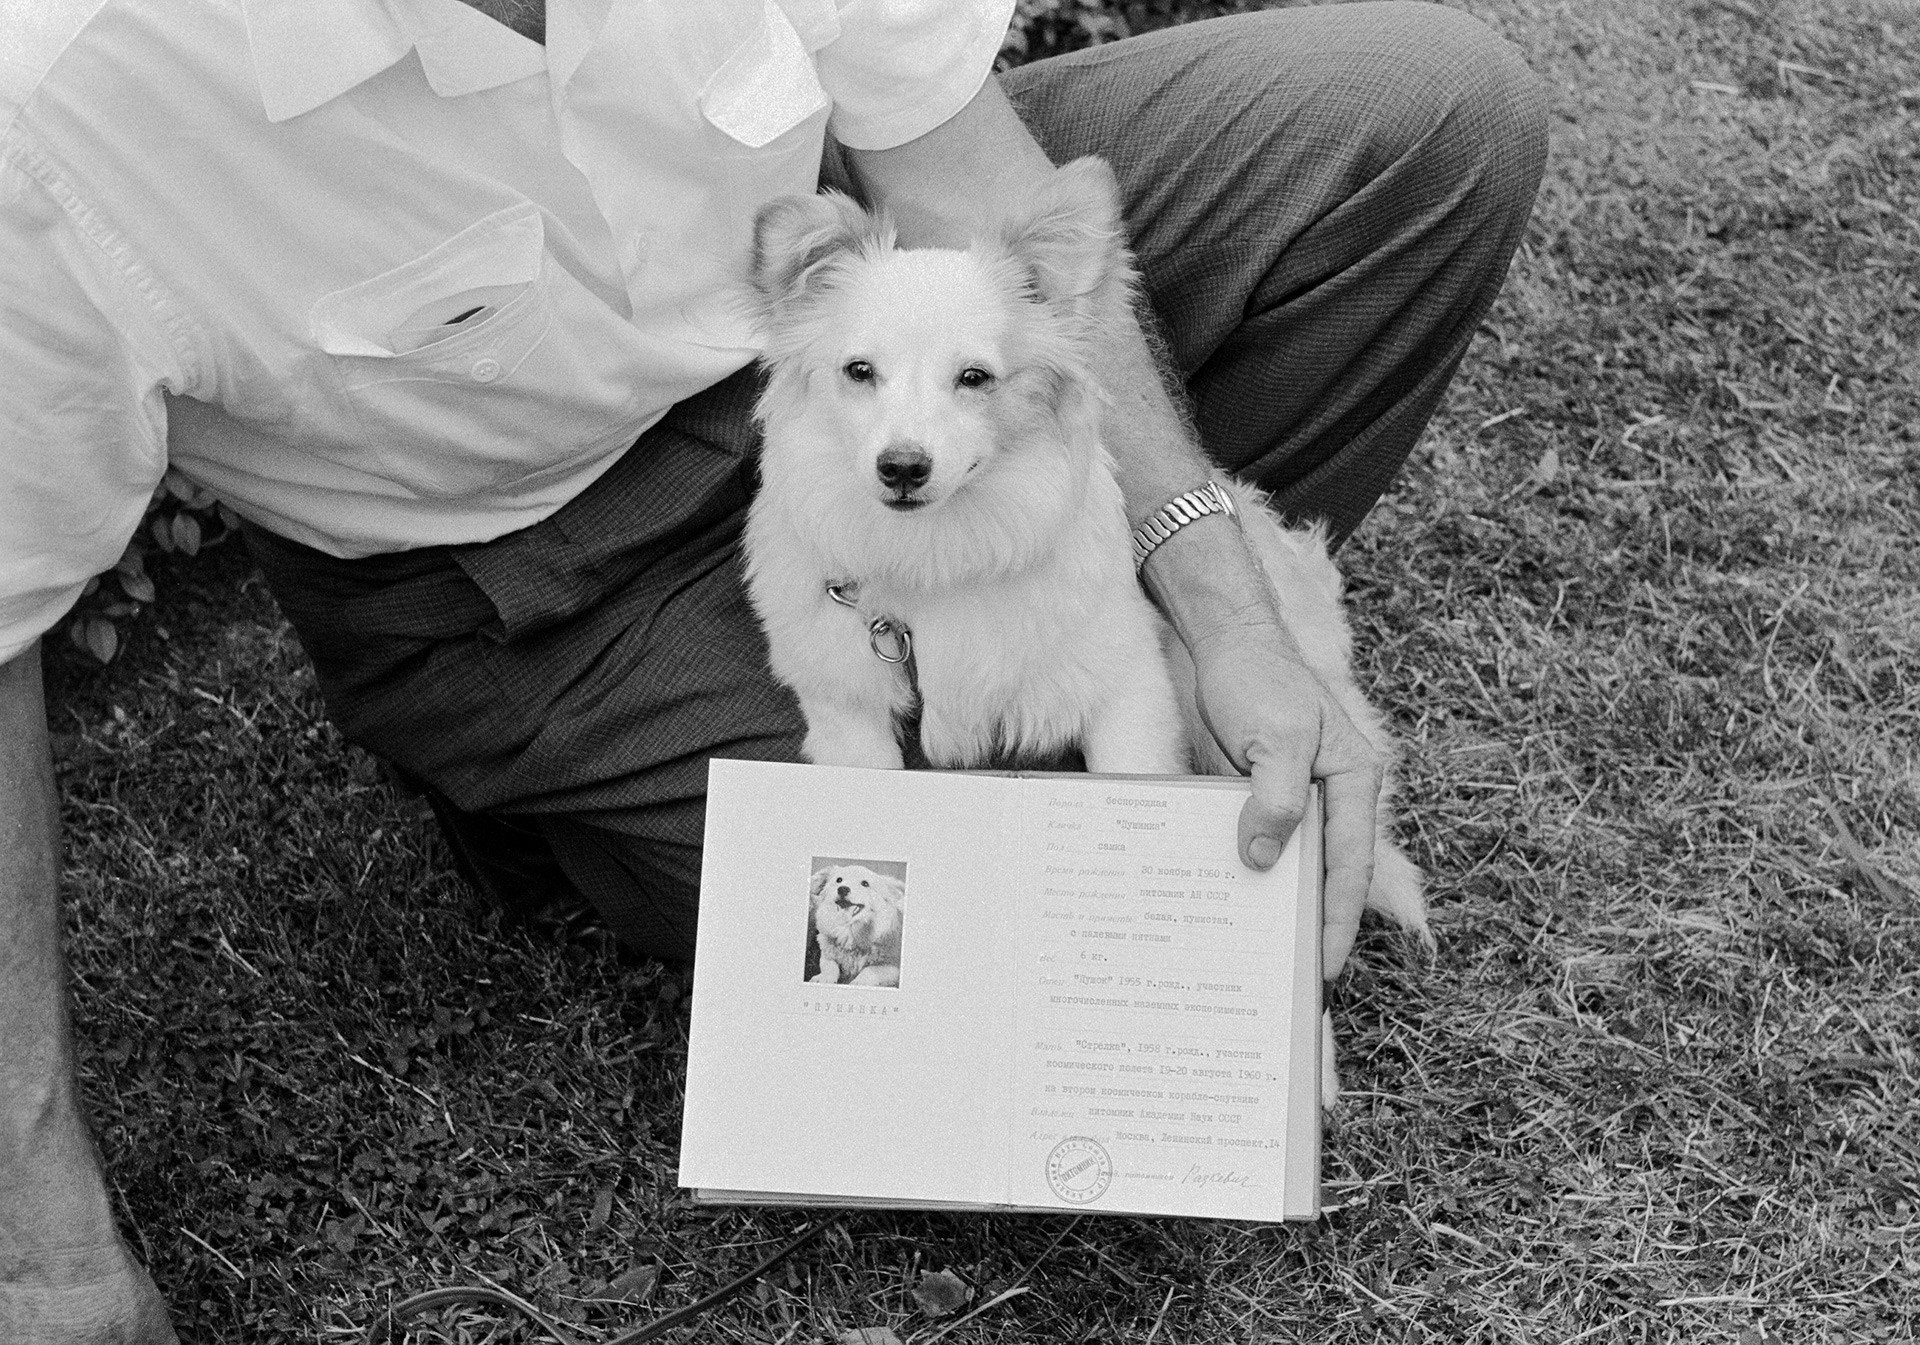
1011	561
857	922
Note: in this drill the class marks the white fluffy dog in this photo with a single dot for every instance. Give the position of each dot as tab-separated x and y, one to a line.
933	462
933	454
856	922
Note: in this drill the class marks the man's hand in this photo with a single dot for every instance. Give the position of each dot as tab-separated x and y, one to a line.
65	1276
1274	721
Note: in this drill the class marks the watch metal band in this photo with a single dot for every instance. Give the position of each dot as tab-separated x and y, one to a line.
1175	514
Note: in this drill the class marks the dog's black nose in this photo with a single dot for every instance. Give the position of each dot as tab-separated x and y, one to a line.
904	467
845	891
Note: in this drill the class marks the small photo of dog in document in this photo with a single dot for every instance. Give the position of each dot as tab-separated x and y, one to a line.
854	911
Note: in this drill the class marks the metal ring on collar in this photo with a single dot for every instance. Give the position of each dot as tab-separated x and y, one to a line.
878	629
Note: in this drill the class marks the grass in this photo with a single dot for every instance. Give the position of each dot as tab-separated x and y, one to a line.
1647	606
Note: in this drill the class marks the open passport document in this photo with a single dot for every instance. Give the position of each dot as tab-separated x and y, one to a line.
976	991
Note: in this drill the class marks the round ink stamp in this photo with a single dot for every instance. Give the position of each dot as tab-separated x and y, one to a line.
1079	1170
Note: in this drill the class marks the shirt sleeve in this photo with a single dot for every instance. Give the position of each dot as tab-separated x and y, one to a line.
899	68
82	417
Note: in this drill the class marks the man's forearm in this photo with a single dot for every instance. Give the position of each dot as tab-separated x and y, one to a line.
51	1201
1204	577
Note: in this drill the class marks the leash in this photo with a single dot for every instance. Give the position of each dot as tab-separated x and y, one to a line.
382	1331
891	641
888	637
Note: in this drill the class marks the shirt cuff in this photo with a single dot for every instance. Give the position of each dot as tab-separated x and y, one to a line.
898	70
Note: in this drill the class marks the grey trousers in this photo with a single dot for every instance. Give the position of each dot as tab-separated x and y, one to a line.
1323	202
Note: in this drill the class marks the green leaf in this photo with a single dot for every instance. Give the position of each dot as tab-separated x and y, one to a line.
636	1286
186	533
96	635
136	586
162	532
942	1293
602	1199
179	487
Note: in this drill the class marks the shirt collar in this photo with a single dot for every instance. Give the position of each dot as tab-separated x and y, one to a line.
309	52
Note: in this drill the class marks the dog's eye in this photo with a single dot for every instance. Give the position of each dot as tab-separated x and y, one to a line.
859	371
974	377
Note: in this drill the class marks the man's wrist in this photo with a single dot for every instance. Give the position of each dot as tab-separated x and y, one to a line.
1208	582
1187	507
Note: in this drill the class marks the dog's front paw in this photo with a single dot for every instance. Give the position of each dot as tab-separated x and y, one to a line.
829	974
878	975
836	738
874	756
1138	731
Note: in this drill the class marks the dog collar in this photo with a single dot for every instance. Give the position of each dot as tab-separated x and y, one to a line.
890	639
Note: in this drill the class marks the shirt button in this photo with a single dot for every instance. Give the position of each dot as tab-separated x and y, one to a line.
485	370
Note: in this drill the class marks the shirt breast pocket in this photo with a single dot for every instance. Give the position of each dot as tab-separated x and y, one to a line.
475	365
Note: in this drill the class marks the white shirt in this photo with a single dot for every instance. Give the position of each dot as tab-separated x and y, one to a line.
383	273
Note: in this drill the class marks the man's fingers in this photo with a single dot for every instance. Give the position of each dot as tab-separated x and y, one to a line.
1352	797
1273	809
1283	752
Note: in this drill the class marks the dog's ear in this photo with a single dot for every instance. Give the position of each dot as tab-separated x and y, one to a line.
819	881
1067	238
794	236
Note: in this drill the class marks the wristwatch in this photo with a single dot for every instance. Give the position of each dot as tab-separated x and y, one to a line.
1175	514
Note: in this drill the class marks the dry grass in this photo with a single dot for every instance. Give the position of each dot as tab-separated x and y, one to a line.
1648	603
